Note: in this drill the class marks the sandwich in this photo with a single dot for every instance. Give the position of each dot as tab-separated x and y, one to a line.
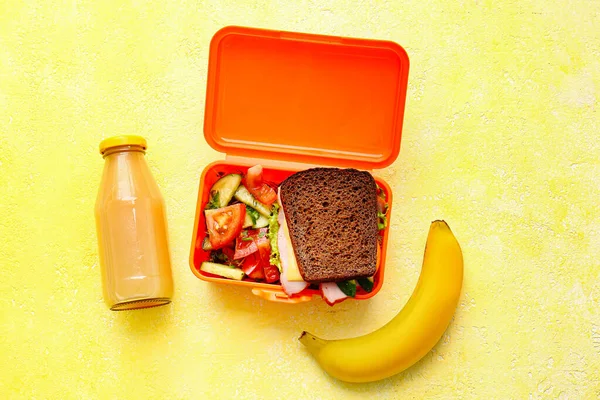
328	228
319	228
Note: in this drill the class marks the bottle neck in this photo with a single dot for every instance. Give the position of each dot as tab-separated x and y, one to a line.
124	149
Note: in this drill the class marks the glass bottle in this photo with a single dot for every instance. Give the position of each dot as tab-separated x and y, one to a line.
131	228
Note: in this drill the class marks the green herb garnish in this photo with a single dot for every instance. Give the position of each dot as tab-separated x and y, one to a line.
381	221
213	203
254	215
217	256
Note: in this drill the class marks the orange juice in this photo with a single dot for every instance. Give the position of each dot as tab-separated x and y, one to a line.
132	229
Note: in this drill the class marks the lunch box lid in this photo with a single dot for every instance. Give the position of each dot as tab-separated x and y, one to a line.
305	98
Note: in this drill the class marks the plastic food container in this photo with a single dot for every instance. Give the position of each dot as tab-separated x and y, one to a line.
292	101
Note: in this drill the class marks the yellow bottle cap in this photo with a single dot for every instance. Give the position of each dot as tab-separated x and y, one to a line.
122	140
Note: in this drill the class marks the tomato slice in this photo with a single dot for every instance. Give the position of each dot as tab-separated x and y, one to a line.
247	242
252	267
257	274
224	224
271	273
254	248
264	250
244	247
257	263
264	193
255	185
254	176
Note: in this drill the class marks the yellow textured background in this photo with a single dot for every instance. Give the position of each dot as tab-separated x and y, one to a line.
501	139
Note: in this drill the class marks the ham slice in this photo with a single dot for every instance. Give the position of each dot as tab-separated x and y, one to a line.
332	293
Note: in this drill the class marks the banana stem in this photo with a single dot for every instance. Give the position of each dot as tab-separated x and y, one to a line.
312	343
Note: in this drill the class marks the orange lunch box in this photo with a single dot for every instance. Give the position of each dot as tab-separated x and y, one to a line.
291	101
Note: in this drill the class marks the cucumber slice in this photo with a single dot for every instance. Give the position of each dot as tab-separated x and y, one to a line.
242	194
255	219
248	221
348	287
261	222
222	270
223	190
366	284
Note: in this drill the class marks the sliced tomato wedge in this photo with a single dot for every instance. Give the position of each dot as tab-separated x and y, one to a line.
271	273
254	176
244	247
255	185
258	274
254	248
247	242
224	224
252	267
264	250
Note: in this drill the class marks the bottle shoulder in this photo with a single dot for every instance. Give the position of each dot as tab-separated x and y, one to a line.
127	178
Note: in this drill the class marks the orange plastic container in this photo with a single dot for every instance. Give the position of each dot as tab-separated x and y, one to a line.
292	101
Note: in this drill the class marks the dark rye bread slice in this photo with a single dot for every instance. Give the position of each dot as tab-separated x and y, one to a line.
332	218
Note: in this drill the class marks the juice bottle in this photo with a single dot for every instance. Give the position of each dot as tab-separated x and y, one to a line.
132	229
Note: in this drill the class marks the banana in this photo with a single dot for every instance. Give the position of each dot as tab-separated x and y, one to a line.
413	332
